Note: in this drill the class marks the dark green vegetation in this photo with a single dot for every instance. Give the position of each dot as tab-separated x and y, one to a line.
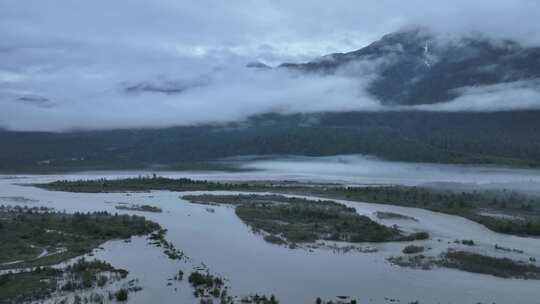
341	300
208	286
393	216
143	208
137	184
468	242
157	238
497	247
26	286
509	138
36	237
121	295
524	209
473	262
86	274
470	205
500	267
40	282
302	220
259	299
26	233
412	249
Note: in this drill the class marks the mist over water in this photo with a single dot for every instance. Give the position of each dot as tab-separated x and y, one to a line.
349	169
370	170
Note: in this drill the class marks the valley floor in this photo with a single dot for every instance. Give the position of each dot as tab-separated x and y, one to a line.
240	250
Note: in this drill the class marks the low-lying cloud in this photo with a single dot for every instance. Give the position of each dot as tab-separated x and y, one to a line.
517	95
123	64
229	95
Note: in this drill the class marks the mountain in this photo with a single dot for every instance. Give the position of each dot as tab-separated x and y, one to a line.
411	68
416	67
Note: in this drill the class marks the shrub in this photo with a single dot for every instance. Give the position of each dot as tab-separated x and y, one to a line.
420	236
411	249
121	295
468	242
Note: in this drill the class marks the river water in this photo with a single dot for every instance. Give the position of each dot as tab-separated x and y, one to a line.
220	241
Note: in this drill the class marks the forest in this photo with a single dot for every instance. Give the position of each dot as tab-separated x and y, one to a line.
502	138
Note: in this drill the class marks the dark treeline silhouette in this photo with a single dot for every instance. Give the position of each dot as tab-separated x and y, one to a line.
508	138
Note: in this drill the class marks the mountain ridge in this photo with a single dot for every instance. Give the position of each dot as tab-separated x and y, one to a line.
419	68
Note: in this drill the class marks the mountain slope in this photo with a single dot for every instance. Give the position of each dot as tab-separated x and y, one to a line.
415	67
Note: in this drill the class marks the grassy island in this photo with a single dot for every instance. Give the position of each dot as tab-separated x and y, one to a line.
289	219
32	237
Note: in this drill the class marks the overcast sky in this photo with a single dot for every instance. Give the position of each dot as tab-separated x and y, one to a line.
65	64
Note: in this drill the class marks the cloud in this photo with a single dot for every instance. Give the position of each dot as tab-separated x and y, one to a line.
518	95
230	94
184	62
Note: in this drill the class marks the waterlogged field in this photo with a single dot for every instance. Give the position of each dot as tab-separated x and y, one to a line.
213	237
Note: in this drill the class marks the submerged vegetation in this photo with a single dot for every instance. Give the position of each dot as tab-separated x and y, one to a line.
42	282
290	219
142	208
472	262
157	238
500	267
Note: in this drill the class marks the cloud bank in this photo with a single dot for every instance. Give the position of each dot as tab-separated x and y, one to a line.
122	64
